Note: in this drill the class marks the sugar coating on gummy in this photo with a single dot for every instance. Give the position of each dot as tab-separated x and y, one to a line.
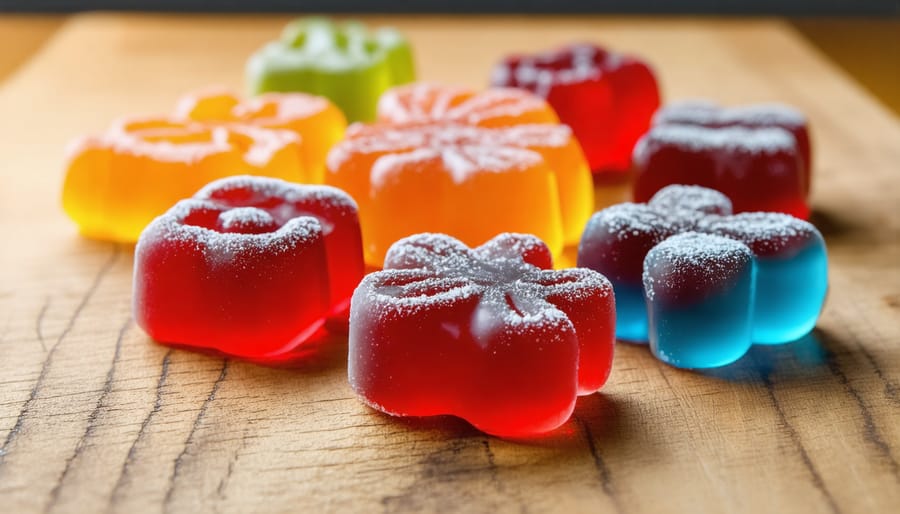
607	98
699	290
344	62
792	271
249	266
486	334
790	262
116	183
709	114
471	165
758	156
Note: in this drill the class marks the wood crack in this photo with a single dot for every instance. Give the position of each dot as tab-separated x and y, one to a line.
870	430
48	360
93	417
816	478
603	473
39	325
124	472
198	421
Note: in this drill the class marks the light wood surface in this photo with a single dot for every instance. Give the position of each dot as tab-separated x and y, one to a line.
867	48
22	35
94	417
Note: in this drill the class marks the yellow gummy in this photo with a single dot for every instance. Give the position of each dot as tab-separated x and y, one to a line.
118	182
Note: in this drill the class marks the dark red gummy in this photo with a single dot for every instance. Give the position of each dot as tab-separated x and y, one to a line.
608	99
480	334
759	169
250	266
766	115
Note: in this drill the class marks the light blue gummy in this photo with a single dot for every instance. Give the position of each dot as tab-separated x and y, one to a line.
631	313
789	294
706	333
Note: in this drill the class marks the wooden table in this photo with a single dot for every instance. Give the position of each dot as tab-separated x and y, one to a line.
94	417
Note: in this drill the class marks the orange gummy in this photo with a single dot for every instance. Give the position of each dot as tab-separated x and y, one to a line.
116	183
472	165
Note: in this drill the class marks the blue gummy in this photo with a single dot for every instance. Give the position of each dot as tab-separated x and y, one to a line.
700	294
789	294
712	333
631	313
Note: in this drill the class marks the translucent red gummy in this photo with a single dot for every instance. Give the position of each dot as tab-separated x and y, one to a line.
249	266
759	156
607	98
487	334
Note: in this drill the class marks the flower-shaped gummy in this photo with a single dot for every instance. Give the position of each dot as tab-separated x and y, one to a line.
118	182
486	334
639	247
249	266
607	98
470	165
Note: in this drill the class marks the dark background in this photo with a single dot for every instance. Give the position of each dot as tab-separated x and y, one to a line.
787	7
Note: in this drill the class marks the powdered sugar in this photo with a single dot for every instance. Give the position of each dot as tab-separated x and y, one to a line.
697	199
244	214
424	102
626	220
461	150
692	260
172	228
242	218
764	140
766	233
244	187
429	270
421	101
701	112
191	142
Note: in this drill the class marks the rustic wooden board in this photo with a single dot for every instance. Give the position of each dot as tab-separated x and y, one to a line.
94	417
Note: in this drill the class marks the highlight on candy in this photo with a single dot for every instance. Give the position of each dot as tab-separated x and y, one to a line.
256	220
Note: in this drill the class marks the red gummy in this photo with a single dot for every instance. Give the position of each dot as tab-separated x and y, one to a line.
490	334
765	115
249	266
756	162
608	99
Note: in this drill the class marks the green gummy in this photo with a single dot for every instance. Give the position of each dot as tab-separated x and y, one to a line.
347	63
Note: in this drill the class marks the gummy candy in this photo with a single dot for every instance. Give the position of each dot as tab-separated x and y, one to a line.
607	98
118	182
487	334
470	165
700	295
786	292
708	114
316	120
750	154
249	266
346	63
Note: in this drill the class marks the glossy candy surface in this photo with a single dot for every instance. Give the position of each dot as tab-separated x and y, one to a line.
758	156
316	120
449	160
700	293
708	114
118	182
490	334
785	296
345	62
249	266
607	98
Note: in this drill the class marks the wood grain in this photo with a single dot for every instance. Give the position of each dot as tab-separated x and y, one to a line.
21	36
94	417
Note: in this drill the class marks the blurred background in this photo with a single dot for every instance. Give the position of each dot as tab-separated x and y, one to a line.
861	36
